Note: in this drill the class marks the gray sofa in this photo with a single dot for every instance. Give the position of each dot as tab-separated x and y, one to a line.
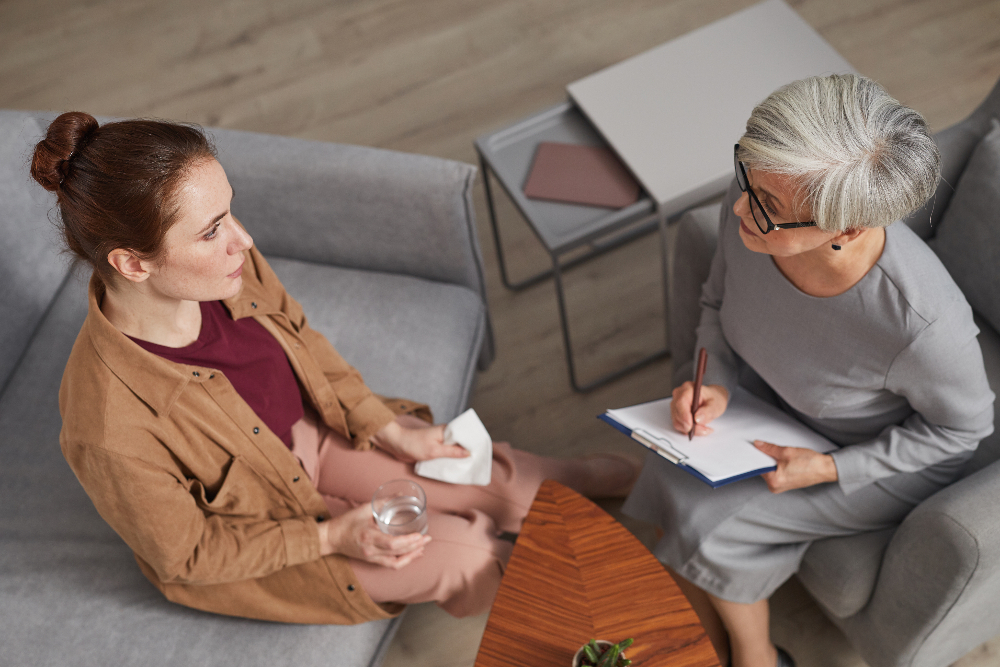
927	592
380	248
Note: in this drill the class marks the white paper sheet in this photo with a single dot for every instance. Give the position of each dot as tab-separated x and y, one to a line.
729	451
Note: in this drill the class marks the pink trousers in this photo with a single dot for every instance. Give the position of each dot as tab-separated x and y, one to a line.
463	563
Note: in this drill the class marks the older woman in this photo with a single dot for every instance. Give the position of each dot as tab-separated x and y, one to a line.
818	302
225	440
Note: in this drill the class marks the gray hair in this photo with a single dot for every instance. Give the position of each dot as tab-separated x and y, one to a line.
859	157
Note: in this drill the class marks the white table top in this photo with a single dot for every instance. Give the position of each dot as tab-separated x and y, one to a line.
674	112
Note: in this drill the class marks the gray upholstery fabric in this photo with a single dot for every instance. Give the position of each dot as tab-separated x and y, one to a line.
356	207
694	246
955	144
85	603
989	447
968	241
409	337
71	591
840	572
937	591
31	268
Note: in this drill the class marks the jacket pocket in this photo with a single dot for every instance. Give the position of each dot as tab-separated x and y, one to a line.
240	493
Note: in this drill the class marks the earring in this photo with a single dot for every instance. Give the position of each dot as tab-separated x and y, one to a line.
836	247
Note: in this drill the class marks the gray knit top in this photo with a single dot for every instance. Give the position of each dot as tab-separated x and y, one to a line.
890	370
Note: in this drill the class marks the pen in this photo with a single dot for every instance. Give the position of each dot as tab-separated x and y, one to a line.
698	378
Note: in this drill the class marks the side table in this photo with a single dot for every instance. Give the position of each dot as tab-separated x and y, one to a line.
561	228
577	574
672	114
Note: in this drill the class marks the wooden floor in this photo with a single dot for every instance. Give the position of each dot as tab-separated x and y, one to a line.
428	76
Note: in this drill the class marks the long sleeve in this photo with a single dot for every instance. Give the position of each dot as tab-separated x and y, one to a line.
942	377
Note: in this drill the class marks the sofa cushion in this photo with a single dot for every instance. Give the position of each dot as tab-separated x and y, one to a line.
70	588
968	240
409	337
31	268
85	603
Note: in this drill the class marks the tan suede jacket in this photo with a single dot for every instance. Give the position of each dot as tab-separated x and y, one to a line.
218	511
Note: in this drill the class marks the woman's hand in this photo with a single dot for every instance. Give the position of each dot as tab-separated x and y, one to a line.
412	440
797	467
354	534
714	399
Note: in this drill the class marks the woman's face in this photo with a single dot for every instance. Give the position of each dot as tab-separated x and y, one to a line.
777	194
203	250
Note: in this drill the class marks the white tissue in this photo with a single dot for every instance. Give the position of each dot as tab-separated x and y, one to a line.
468	431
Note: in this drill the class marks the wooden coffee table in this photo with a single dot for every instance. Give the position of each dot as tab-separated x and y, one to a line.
578	574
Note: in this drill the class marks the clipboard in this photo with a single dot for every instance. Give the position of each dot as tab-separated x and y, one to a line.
728	455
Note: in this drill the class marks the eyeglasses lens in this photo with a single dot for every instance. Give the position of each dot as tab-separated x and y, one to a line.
758	214
740	177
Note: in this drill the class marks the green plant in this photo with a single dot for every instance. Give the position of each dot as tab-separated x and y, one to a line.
593	655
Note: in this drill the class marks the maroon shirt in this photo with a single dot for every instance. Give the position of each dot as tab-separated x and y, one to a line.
250	358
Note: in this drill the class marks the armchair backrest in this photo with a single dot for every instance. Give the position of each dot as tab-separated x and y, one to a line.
956	144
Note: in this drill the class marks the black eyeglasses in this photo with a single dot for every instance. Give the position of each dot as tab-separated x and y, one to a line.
764	223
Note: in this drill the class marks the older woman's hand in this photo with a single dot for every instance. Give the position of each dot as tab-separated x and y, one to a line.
354	534
410	439
798	467
713	401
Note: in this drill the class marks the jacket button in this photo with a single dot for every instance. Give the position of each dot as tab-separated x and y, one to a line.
350	587
295	479
196	374
253	304
256	430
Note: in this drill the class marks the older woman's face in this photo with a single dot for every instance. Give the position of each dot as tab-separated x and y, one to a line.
203	250
777	194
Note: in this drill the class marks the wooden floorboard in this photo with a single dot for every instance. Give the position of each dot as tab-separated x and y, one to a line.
428	76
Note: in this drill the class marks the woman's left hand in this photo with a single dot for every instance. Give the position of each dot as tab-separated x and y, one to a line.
798	467
408	442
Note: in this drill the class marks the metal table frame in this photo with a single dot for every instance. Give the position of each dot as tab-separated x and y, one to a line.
601	235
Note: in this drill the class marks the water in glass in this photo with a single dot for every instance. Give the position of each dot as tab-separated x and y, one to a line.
402	515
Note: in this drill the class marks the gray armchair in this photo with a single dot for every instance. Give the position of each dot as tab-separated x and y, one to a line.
926	593
381	250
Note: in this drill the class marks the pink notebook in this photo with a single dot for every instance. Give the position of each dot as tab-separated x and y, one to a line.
576	174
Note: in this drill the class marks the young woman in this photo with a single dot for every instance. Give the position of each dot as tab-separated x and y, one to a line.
848	322
226	441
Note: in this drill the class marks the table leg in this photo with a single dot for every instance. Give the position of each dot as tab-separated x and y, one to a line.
491	209
568	346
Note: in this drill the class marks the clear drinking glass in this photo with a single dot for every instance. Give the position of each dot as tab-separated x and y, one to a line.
400	507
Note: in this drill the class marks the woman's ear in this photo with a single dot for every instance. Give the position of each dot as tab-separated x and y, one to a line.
128	265
847	236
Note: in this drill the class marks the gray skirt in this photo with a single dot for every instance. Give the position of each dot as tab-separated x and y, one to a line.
739	542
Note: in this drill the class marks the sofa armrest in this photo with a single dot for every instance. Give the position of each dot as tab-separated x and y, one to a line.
940	578
356	207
